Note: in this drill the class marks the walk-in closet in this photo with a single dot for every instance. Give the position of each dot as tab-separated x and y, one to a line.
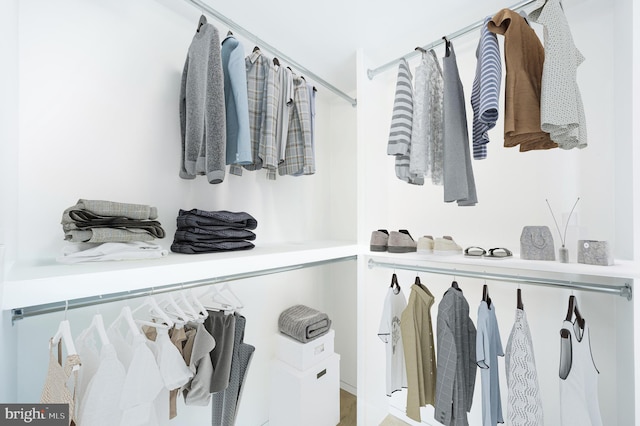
89	109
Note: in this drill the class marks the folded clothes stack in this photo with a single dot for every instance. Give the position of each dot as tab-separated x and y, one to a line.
201	231
108	230
303	323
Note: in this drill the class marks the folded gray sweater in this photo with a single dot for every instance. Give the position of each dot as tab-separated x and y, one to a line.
303	323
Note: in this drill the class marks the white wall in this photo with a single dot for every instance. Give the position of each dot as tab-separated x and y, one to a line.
97	116
512	188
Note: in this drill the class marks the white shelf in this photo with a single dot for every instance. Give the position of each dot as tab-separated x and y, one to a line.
620	269
29	284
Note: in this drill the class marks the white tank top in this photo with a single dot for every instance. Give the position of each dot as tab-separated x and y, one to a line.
579	391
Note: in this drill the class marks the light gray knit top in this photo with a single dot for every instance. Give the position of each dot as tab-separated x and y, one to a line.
202	109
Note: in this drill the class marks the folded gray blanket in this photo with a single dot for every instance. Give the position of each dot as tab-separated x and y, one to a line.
303	323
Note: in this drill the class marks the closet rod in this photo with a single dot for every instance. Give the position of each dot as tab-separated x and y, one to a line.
205	8
371	73
34	310
621	290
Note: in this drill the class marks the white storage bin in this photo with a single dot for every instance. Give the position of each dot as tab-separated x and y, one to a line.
309	398
304	355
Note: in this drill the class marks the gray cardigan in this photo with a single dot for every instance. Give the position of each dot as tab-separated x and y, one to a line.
202	109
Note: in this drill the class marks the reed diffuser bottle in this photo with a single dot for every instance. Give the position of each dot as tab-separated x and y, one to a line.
563	252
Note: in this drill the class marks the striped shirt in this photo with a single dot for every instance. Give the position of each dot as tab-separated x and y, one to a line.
401	126
485	90
257	66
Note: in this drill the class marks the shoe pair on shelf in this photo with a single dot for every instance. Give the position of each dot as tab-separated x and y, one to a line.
402	242
394	242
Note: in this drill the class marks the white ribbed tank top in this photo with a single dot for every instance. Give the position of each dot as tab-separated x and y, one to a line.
579	391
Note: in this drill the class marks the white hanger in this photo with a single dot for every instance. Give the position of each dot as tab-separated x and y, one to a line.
127	316
64	333
174	311
201	310
97	324
188	307
156	312
213	299
226	291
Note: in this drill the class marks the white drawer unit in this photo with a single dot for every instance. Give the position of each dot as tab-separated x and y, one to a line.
304	355
309	398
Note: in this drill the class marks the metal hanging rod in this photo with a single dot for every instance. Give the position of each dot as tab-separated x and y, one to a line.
205	8
624	290
83	302
371	73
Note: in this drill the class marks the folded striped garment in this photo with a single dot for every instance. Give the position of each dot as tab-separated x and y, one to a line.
303	323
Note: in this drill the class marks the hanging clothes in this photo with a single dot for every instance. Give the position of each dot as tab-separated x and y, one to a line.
561	108
524	58
222	327
202	108
578	378
488	349
399	143
197	350
426	132
485	90
275	125
298	155
456	360
55	390
238	149
389	332
419	350
224	405
524	404
257	68
459	183
100	402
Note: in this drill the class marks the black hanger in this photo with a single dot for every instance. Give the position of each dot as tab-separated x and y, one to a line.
485	295
255	49
573	309
447	45
201	22
395	285
519	304
420	49
229	33
276	61
454	284
417	282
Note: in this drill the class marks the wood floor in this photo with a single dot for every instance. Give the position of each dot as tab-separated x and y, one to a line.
348	411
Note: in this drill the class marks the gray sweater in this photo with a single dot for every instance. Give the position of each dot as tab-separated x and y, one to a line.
202	109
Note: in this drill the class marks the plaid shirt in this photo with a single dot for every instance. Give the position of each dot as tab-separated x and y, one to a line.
257	66
275	123
299	153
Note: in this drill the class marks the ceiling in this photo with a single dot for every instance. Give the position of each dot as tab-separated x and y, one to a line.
323	36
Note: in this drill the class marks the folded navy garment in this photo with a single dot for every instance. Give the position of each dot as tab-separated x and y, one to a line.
223	235
202	218
210	247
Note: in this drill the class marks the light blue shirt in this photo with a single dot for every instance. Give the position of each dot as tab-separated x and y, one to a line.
236	103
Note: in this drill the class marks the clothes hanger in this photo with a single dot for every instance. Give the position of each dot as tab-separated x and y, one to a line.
201	22
228	294
519	304
573	309
447	45
485	295
188	307
156	312
229	33
454	284
169	305
256	49
213	299
200	309
421	49
64	333
394	284
276	62
97	324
